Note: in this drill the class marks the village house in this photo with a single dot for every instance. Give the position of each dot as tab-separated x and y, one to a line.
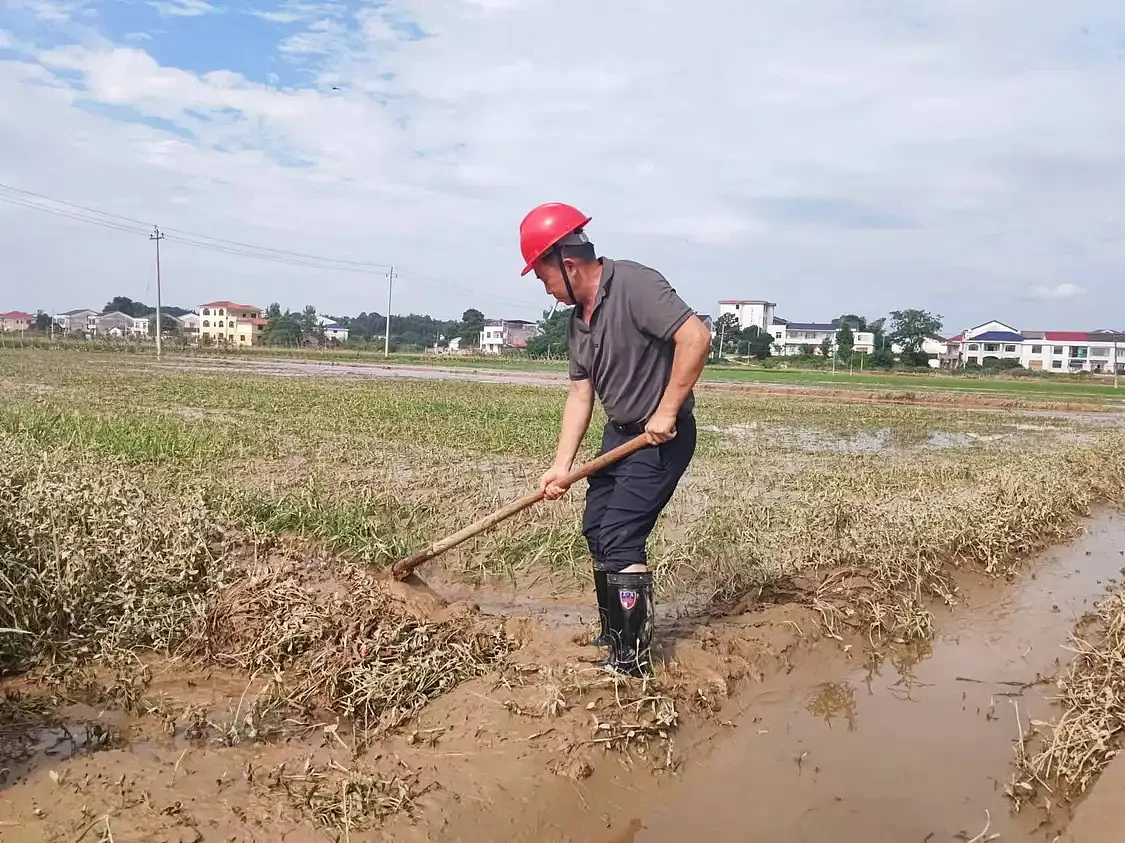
791	338
499	334
230	323
333	331
15	321
1100	351
78	321
114	323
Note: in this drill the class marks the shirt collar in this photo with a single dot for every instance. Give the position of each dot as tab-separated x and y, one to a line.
604	284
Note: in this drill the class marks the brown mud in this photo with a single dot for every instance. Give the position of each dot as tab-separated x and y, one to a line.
916	748
756	730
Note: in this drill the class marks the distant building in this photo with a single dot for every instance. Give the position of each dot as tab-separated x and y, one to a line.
791	338
16	320
749	312
499	334
190	324
332	330
231	323
114	323
79	321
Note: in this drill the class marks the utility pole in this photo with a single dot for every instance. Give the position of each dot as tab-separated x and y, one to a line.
390	286
157	237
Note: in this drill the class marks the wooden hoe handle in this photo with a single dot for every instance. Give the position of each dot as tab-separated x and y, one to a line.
406	565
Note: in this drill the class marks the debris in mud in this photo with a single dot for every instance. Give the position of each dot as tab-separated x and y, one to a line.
1065	757
626	715
341	640
342	799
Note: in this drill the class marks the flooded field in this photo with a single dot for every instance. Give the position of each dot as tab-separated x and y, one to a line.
862	607
916	747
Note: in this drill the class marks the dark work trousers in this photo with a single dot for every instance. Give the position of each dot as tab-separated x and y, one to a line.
624	500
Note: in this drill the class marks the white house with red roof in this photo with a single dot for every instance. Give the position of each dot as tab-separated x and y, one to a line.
1053	351
15	321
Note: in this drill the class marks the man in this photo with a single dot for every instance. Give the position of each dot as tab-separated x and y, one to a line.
637	346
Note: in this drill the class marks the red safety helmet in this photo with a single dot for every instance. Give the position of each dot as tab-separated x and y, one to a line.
546	225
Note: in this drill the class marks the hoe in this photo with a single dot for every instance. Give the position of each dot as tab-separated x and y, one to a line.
402	568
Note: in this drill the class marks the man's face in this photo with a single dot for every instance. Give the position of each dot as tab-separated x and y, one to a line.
549	273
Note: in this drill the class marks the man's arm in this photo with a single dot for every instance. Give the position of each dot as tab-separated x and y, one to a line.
576	418
693	344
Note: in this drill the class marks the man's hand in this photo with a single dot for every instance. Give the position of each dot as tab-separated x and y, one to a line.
660	428
549	483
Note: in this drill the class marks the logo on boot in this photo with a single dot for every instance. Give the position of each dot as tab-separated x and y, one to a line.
628	598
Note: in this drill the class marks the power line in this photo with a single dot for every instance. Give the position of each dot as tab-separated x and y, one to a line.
193	234
124	224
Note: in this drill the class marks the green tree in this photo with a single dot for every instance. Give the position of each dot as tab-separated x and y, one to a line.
283	328
758	343
728	330
42	322
169	326
472	323
845	341
307	321
826	346
551	337
910	329
123	304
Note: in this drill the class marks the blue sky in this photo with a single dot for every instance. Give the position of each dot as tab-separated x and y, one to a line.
832	156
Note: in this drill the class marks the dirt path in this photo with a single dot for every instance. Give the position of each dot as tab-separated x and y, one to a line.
782	737
920	395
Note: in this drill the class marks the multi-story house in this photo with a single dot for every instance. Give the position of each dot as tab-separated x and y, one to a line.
231	323
1054	351
750	312
15	321
79	321
791	338
114	323
499	334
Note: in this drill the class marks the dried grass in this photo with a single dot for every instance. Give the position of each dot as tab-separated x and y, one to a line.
92	561
1063	758
342	799
630	716
344	643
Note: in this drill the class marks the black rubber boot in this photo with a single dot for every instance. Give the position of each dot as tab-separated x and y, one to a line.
630	623
602	589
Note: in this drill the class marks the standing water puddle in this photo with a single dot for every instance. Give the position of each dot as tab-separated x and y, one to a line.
914	752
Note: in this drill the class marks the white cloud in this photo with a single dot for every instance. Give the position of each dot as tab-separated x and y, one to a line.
6	40
1062	291
942	157
278	17
137	37
183	8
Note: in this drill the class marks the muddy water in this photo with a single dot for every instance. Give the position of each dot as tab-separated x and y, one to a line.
918	750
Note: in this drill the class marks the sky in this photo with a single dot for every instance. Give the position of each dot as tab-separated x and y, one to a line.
833	156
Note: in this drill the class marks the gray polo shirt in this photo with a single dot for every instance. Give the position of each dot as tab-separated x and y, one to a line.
626	350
